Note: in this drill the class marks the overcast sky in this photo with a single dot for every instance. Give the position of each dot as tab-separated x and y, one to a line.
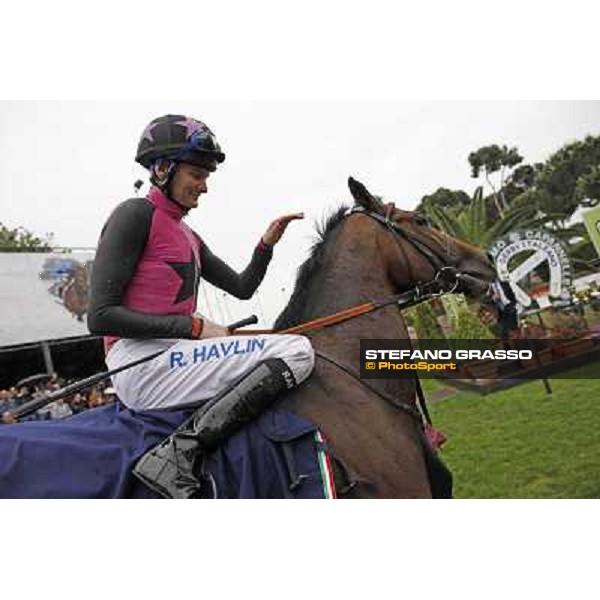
65	165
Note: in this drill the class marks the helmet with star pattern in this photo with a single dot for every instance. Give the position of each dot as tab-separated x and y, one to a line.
181	139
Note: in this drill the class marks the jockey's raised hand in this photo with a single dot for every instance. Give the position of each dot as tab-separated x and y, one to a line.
277	228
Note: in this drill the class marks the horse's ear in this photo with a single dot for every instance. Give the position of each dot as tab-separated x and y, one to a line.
362	196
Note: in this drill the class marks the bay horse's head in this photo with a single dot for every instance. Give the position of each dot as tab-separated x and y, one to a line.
416	253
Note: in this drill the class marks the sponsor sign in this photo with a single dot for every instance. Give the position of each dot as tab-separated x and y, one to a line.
541	247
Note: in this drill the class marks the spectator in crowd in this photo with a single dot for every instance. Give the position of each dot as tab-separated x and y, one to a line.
109	395
94	398
13	398
59	409
77	403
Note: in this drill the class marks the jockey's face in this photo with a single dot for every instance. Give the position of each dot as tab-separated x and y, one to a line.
188	183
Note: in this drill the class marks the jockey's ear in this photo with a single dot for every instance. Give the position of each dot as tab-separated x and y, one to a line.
363	197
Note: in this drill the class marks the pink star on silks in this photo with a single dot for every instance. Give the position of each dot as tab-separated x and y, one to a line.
147	135
191	126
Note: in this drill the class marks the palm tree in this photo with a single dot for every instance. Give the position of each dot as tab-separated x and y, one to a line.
474	223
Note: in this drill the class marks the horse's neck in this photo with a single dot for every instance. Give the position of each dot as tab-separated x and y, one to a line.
352	273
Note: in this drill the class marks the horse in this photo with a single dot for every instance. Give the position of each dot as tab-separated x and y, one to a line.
370	434
362	255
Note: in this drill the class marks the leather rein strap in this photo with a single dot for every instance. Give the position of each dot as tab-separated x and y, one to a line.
404	300
433	289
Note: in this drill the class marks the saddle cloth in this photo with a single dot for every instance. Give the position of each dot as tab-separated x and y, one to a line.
91	455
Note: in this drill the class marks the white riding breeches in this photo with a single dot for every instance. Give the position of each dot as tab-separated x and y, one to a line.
191	371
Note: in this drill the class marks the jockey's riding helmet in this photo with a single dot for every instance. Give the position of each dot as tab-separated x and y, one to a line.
180	139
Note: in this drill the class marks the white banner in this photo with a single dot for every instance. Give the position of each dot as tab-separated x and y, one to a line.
43	296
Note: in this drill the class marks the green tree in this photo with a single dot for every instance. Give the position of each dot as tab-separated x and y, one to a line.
475	224
587	189
21	240
495	159
570	178
521	180
445	199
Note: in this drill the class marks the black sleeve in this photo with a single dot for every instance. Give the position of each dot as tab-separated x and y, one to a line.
241	285
122	242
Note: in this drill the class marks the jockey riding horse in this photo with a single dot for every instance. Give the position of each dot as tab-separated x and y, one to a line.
144	290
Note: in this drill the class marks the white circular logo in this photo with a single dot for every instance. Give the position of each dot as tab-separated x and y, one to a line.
542	247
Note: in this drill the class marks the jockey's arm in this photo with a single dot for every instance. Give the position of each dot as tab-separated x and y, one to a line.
241	285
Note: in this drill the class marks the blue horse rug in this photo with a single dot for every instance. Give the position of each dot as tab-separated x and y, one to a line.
91	455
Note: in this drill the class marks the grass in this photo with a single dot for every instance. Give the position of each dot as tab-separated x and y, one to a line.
521	443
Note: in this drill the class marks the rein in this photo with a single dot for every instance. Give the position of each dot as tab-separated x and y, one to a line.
405	300
433	289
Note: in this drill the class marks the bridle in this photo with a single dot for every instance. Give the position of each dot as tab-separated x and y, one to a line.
437	262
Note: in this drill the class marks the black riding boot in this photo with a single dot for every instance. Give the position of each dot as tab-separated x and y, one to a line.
169	467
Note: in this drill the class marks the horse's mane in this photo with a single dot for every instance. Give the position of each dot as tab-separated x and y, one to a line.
292	312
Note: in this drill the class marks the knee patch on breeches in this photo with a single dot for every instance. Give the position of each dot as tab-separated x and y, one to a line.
299	356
